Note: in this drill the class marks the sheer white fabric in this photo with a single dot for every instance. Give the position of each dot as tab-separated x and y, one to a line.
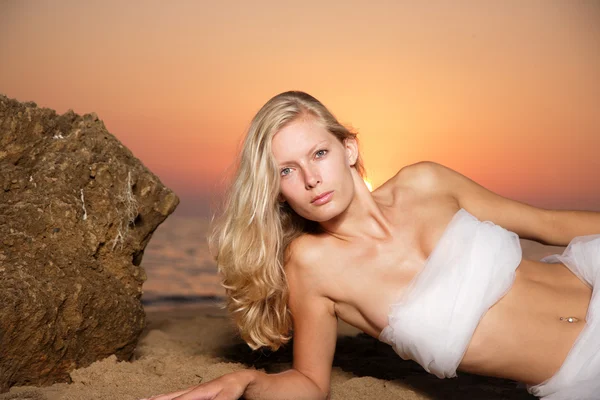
579	376
471	268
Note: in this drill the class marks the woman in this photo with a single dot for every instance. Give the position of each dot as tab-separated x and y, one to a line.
303	242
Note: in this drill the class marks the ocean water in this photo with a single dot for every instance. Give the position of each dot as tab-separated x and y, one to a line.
178	266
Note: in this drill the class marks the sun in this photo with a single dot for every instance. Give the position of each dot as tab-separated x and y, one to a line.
369	185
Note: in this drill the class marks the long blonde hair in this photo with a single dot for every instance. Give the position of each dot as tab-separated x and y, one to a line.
251	235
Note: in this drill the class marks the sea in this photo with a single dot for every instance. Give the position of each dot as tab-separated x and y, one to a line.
178	266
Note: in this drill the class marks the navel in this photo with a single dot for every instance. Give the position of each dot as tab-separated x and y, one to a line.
569	319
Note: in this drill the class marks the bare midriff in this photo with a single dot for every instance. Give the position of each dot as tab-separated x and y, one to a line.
522	336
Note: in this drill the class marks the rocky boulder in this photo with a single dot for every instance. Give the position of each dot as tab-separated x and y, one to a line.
77	210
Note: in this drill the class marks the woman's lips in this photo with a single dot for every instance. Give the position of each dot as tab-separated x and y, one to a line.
325	198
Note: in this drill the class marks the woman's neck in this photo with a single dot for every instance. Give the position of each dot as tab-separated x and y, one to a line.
362	220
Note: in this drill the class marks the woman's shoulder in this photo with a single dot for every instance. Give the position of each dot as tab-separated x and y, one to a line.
423	174
422	190
424	178
305	250
306	258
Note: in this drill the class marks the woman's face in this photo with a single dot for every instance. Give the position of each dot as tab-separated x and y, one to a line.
315	169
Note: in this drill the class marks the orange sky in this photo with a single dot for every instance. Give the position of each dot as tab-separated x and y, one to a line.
506	93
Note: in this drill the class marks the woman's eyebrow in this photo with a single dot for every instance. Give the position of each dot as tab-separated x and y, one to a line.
312	150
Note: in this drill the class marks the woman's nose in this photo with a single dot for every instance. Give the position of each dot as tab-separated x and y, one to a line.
311	179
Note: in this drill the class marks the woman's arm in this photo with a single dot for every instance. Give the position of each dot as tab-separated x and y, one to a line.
251	384
565	225
545	226
315	334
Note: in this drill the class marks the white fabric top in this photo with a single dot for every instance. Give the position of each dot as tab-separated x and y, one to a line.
472	266
579	374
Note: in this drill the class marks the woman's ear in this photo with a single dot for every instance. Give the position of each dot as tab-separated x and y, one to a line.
280	198
351	150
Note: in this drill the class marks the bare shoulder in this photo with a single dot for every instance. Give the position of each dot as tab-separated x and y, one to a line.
424	175
302	256
303	251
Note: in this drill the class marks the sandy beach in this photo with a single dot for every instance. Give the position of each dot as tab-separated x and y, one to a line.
187	345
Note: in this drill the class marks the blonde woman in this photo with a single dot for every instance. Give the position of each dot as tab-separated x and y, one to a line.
430	263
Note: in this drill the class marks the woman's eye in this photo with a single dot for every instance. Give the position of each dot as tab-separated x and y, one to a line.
321	153
285	171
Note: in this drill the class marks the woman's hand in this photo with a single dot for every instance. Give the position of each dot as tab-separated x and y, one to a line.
228	387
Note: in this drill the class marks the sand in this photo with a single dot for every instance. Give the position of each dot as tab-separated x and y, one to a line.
187	345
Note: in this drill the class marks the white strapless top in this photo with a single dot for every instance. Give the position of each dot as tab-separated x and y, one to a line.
472	266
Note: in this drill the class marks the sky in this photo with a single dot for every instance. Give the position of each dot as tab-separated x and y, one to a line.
504	92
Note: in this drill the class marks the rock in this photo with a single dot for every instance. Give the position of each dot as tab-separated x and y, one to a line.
76	212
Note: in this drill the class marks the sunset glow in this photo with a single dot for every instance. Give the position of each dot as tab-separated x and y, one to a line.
503	93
